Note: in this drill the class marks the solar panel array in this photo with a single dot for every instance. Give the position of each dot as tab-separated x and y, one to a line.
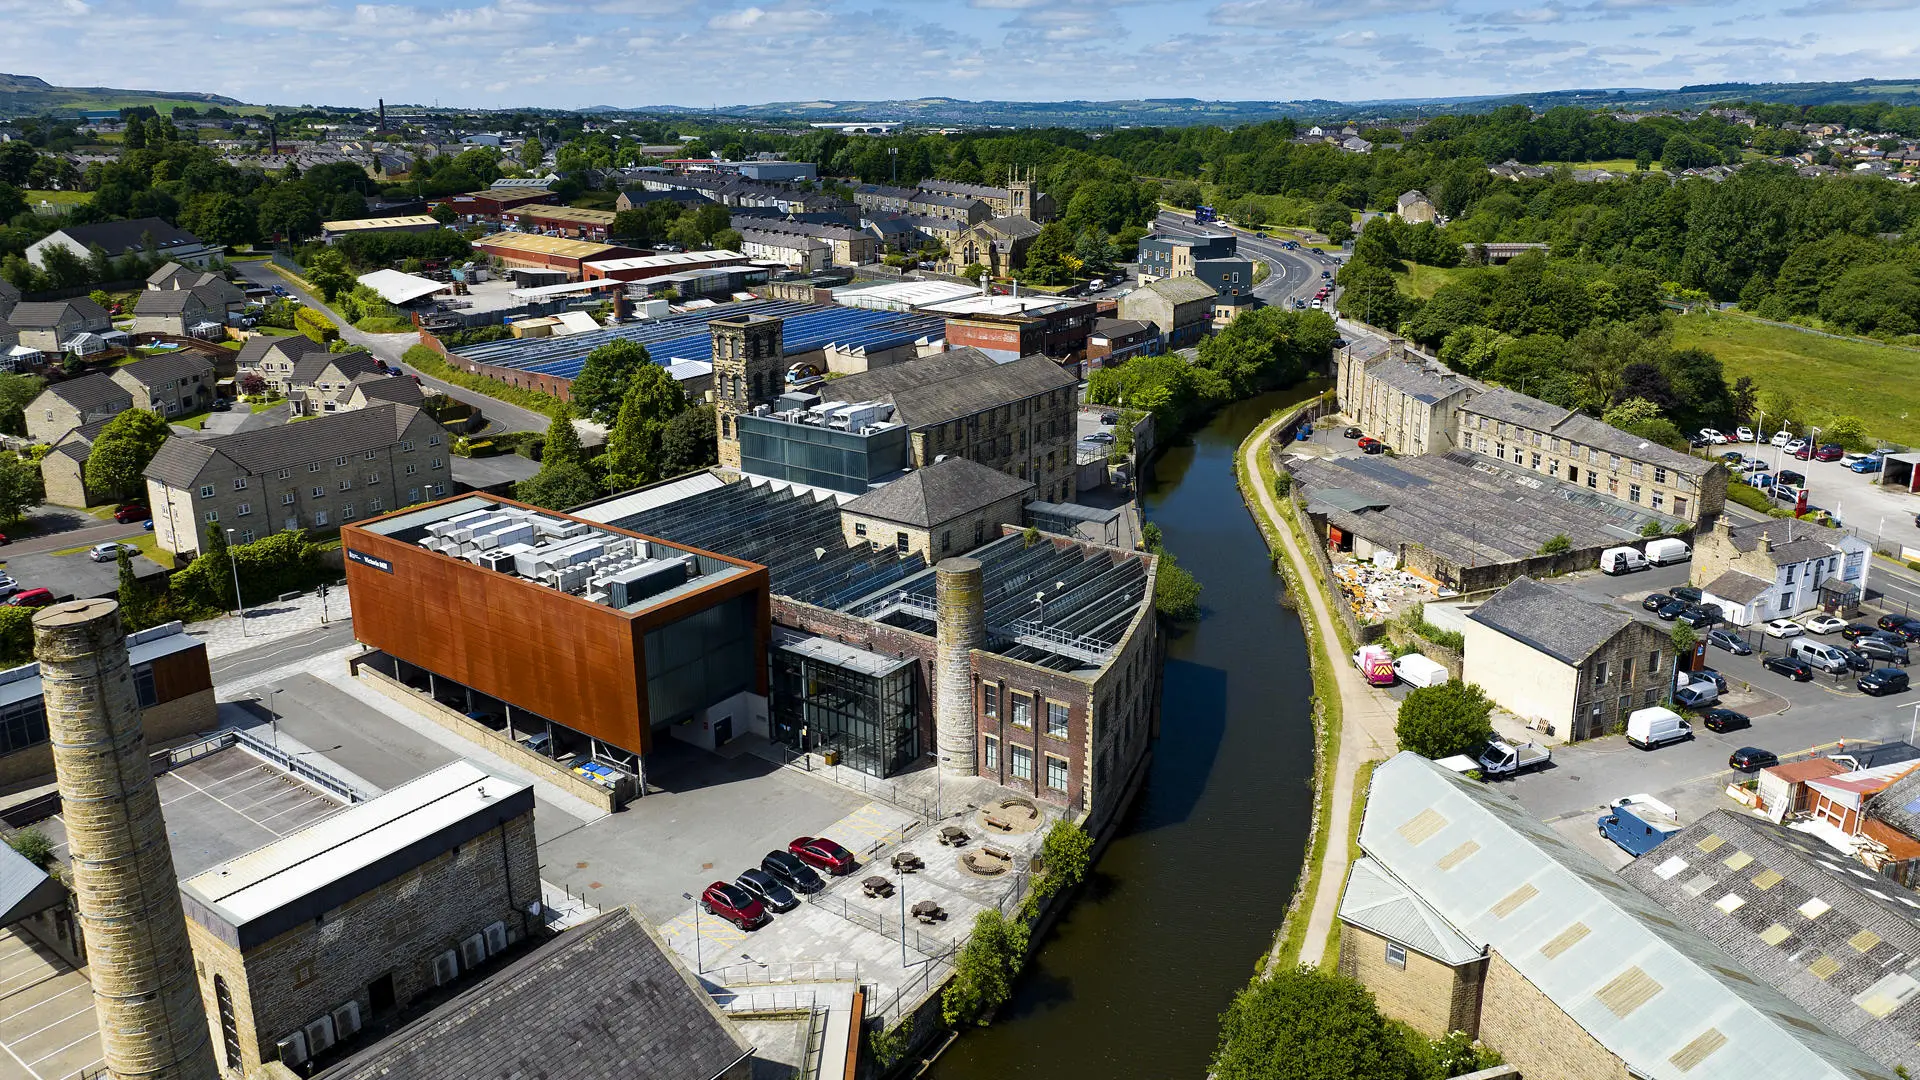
796	535
685	337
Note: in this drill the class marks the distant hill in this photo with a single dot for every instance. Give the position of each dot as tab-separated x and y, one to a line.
28	95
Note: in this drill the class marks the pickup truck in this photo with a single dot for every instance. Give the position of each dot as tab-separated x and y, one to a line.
1502	758
1638	823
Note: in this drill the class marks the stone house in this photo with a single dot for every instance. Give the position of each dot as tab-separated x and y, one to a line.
1402	398
1549	653
175	276
947	508
1414	207
180	312
1779	568
72	403
47	325
321	382
803	253
63	469
344	924
171	385
316	474
274	358
1465	912
999	244
1181	307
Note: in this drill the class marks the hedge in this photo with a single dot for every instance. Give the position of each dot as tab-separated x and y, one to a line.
315	325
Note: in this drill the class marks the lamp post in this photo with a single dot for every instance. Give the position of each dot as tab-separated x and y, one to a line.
238	604
273	715
1913	721
697	969
901	873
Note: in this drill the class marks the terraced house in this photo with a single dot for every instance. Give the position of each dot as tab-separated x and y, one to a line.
318	474
1569	445
170	385
73	403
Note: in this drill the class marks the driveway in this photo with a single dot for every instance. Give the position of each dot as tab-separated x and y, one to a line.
241	419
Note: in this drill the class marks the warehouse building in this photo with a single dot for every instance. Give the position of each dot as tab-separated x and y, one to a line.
332	231
531	251
645	267
1006	327
1408	401
570	221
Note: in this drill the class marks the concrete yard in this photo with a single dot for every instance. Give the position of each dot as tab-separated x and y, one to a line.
48	1029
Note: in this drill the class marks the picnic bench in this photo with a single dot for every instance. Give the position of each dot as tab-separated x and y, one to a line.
907	862
876	886
953	836
928	912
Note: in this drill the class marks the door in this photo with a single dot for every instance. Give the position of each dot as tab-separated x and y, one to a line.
380	994
723	731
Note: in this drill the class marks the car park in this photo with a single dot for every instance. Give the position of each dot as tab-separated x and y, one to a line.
1724	720
1783	628
1884	680
1712	436
1823	624
734	904
1829	452
1791	666
791	872
1726	639
1881	649
1743	433
767	889
1656	601
1856	631
1907	633
823	854
1752	759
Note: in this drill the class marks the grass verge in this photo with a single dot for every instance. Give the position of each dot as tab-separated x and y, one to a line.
36	196
198	421
432	364
1424	281
1362	781
1827	376
295	279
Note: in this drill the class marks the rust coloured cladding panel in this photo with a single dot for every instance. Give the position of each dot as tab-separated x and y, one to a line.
564	657
177	675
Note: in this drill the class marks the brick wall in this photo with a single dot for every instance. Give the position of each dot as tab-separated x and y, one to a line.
1432	997
1531	1032
396	928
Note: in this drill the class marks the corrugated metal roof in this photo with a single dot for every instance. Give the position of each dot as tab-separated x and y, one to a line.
1374	900
1650	991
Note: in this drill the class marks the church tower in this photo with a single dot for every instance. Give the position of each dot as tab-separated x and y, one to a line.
749	362
1020	185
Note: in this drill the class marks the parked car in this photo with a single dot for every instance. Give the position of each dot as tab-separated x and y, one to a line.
221	405
1856	660
734	904
1367	441
1791	666
1743	433
1353	433
1712	436
131	512
1884	680
1799	448
767	889
1780	438
1856	631
1719	681
1881	649
1752	759
1894	622
1724	720
1788	476
1907	632
1733	458
1700	616
1728	640
109	551
1656	601
1870	464
823	854
1761	480
8	586
1823	624
1672	610
791	872
1377	448
1110	418
31	598
1783	628
1656	726
1686	592
1696	695
1829	452
1785	492
1100	437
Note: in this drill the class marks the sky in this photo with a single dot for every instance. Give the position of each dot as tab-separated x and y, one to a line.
628	53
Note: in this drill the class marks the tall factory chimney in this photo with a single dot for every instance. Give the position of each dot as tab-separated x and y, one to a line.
961	627
273	137
152	1023
383	114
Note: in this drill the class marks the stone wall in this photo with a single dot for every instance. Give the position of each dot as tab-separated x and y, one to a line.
1428	995
1533	1034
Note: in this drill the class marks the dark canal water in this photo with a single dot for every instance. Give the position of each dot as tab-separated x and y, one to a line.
1133	980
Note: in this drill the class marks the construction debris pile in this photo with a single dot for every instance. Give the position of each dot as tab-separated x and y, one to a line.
1377	593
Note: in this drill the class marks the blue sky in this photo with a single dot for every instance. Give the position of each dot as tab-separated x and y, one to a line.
571	53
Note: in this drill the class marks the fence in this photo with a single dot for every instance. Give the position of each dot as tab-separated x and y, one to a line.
879	924
797	971
291	763
768	1001
884	790
891	1010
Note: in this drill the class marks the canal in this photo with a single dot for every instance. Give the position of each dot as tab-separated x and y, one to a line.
1132	982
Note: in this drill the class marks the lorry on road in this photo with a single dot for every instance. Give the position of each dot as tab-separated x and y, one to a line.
1502	758
1638	823
1376	663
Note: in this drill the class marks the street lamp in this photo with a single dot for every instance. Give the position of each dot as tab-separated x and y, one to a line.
1913	722
238	604
900	872
697	969
273	715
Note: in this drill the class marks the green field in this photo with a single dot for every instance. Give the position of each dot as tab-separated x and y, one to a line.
37	196
1619	165
1424	281
1828	376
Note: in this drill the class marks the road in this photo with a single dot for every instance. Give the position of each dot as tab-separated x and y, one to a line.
1290	274
501	416
285	652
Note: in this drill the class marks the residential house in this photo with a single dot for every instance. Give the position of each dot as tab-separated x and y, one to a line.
999	244
1404	399
171	385
63	468
138	236
1570	445
273	358
1467	913
1564	662
1354	144
48	325
174	276
1779	568
635	197
9	299
848	245
1113	341
1414	207
72	403
796	252
198	311
1802	918
316	474
948	508
322	382
1181	308
1019	198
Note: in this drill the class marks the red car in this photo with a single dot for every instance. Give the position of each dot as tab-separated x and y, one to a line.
1366	442
824	854
31	598
1830	452
734	904
132	512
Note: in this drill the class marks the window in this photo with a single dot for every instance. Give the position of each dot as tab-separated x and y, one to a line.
373	478
435	464
373	506
946	541
287	499
433	440
313	466
319	493
1653	662
1536	461
990	754
1056	719
371	455
1790	570
1658	500
1659	475
1056	773
1786	602
406	444
285	473
1613	462
1021	761
1639	470
990	699
1633	492
206	491
1573	474
411	468
239	483
1626	670
1396	955
213	515
1022	709
245	509
346	485
346	511
1593	480
1624	704
1600	673
340	462
901	541
319	517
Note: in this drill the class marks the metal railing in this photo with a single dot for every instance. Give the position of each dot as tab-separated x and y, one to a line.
893	1009
769	1001
854	779
797	971
936	948
293	764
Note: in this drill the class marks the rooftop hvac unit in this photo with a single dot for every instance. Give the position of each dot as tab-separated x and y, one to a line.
490	540
496	935
572	579
446	968
320	1035
346	1020
647	579
497	561
293	1048
473	952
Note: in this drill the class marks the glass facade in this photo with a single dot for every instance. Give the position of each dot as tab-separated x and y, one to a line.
700	660
863	709
24	723
821	456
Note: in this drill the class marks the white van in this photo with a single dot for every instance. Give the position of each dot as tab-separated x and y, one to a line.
1657	726
1417	670
1668	550
1820	654
1623	560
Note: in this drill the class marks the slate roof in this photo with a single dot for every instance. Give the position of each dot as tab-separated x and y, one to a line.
1013	228
603	1001
168	270
25	889
385	388
941	492
955	187
255	349
1553	619
92	393
1794	541
1512	407
780	239
167	368
1376	900
1805	919
120	237
48	314
309	367
1117	328
1181	290
177	301
1741	588
1660	996
949	385
1419	379
180	460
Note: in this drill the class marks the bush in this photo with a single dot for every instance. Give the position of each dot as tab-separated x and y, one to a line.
281	562
1440	721
984	971
33	846
315	325
1067	853
1556	544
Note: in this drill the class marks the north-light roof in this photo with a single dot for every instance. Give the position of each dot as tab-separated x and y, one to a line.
1661	997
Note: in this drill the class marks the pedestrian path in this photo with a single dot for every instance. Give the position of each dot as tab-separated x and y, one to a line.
272	621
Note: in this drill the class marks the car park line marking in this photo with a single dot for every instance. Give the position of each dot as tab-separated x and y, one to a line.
69	1046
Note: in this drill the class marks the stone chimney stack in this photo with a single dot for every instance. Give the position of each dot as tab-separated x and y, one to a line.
1766	542
961	627
152	1023
1397	348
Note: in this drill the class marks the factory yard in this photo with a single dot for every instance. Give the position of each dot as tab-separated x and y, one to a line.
48	1030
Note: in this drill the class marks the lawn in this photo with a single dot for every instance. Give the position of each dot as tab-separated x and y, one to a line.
1424	281
1618	165
58	198
264	406
594	200
198	421
1827	376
